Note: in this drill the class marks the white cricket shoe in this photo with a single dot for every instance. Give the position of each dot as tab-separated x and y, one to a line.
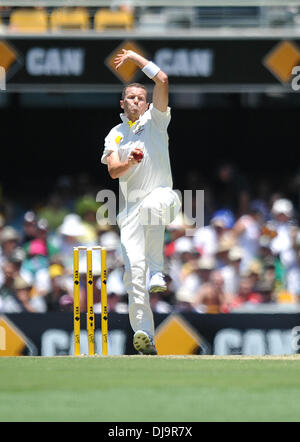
143	343
157	283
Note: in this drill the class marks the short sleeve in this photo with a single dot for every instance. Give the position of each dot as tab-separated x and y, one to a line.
160	119
110	145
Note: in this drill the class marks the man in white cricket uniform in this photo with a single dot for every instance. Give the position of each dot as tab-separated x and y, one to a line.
149	203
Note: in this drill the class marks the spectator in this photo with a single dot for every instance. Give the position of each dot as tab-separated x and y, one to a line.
270	261
266	290
189	268
57	294
29	227
9	240
17	258
247	230
206	264
19	298
36	257
246	295
44	235
254	273
25	298
48	251
7	286
263	255
211	296
232	271
269	273
175	230
41	240
285	243
111	241
69	232
115	282
183	254
206	239
200	274
86	207
226	243
184	300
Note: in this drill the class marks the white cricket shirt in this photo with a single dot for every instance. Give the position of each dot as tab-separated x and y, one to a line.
150	134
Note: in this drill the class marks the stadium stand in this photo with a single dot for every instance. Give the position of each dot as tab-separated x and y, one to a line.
69	18
28	20
127	15
107	19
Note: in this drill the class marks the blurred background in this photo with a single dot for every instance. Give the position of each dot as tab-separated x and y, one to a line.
232	68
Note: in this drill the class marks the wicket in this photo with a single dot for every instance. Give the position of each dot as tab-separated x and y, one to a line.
90	316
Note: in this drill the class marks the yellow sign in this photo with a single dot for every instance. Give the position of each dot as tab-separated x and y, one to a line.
7	55
12	340
127	71
175	336
281	60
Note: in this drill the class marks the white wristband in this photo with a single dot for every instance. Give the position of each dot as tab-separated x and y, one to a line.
151	69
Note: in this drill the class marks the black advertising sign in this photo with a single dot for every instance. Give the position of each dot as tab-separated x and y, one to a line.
51	334
85	63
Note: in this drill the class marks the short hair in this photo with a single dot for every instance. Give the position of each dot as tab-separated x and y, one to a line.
139	85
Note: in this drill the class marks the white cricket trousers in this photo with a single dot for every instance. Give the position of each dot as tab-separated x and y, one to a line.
142	242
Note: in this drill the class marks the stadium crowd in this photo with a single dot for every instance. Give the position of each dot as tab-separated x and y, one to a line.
246	254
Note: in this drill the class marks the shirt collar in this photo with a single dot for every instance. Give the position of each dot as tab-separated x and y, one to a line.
129	122
126	120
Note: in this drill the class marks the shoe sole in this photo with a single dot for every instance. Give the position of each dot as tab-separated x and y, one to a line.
142	344
158	289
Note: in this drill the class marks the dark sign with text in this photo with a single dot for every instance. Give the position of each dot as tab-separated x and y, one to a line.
86	63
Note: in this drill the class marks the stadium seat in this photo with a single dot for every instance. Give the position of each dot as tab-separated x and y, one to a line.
67	18
107	19
28	20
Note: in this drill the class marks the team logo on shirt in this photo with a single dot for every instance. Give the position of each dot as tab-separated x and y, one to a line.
139	130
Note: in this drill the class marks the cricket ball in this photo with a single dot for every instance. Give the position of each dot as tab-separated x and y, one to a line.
138	155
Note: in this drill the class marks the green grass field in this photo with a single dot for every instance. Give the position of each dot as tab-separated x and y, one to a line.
150	389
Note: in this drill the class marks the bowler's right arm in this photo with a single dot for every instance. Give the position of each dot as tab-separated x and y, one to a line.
117	168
